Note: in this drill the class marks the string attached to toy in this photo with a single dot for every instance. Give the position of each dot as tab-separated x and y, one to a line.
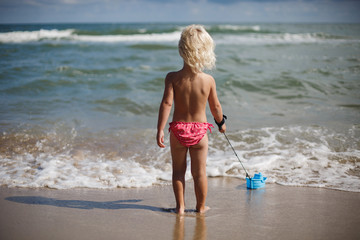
247	175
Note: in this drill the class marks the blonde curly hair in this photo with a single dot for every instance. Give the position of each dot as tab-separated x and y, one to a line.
196	47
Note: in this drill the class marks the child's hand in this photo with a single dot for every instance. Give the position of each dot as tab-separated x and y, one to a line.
160	138
223	128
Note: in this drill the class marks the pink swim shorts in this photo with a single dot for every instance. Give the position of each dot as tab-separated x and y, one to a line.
189	133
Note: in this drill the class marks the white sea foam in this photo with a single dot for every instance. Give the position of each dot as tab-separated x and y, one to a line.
280	38
31	36
158	37
247	39
65	171
240	27
295	156
70	35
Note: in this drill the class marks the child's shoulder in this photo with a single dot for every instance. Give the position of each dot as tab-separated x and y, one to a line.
171	75
207	77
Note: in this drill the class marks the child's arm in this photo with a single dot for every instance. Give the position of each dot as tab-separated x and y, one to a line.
164	111
215	106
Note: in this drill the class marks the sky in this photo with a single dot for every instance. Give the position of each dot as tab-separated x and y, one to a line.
93	11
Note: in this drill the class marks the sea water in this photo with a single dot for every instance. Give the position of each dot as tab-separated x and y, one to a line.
79	104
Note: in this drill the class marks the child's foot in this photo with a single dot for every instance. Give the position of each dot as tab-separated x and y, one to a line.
180	211
203	209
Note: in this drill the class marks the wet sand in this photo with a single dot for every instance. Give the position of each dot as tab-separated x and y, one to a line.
274	212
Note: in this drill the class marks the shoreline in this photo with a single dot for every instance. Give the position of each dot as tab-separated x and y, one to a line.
273	212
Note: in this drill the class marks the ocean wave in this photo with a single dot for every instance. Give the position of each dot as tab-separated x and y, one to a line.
71	35
34	36
282	38
160	37
227	28
222	34
293	156
126	30
66	158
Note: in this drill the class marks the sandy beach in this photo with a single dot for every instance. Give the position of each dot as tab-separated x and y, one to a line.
274	212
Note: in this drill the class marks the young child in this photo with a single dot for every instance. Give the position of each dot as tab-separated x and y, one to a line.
190	89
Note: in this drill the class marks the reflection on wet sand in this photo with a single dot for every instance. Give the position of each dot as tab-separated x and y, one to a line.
199	230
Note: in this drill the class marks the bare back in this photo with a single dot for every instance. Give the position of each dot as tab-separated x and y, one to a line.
191	93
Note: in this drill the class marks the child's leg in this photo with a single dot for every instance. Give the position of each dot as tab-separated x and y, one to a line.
198	154
178	154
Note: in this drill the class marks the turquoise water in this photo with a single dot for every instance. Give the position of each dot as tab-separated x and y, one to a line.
79	103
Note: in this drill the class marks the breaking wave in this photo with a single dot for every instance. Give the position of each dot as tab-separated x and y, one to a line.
223	34
65	158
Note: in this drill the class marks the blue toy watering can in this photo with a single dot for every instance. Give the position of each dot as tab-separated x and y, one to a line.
258	181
